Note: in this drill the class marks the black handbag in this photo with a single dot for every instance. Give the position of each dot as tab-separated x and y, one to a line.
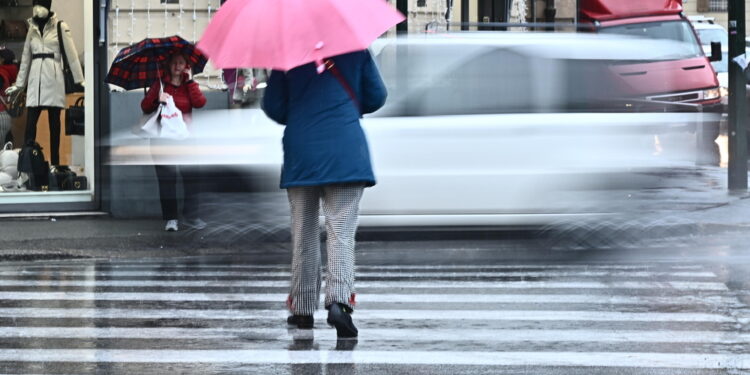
75	183
31	161
62	178
75	117
70	84
14	29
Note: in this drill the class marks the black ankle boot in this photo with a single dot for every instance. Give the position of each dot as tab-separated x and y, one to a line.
339	316
301	321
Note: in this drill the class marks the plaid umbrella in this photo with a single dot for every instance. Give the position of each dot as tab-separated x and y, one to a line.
140	64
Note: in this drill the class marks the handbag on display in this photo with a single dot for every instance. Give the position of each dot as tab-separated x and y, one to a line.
9	160
15	103
70	84
31	162
14	29
75	118
62	178
75	183
58	174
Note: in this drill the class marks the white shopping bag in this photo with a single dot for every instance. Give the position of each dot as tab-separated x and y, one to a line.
148	127
172	124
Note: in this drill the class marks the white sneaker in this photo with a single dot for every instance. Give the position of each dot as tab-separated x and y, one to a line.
196	223
171	226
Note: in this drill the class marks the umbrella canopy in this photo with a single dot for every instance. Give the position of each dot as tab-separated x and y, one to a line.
283	34
139	65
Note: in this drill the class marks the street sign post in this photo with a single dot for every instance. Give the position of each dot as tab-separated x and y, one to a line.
737	99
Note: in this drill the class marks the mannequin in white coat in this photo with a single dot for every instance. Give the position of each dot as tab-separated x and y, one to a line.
41	73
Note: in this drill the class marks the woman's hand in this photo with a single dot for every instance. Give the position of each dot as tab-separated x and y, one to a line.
189	73
164	97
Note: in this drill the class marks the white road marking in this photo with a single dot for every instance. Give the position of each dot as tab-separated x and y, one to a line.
436	284
565	359
367	314
376	335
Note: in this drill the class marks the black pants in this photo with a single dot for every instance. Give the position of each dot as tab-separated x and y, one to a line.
191	183
54	129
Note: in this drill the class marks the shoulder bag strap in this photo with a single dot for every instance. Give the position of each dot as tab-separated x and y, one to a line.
340	77
62	47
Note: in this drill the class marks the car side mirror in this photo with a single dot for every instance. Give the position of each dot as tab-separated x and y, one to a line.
715	51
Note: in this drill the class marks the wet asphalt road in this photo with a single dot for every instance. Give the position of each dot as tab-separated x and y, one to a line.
515	306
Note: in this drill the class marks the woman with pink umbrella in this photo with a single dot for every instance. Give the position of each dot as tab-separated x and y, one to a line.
326	158
322	83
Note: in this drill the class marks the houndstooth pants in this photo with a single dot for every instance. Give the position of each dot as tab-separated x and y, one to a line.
341	210
5	125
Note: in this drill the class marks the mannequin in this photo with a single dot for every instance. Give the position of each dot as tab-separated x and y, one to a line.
42	75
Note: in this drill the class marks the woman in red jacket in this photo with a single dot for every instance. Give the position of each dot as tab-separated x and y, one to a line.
187	95
8	73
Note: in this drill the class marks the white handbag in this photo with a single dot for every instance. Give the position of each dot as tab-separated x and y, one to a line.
5	178
9	160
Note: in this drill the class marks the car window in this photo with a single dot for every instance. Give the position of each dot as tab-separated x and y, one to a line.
433	80
424	80
679	31
713	35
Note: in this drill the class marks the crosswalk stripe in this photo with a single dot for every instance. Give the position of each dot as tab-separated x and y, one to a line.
177	266
367	314
590	359
404	334
384	275
635	302
402	298
678	285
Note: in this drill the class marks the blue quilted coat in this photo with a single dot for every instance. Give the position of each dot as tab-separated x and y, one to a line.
323	140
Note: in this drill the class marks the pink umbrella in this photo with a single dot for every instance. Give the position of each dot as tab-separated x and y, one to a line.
283	34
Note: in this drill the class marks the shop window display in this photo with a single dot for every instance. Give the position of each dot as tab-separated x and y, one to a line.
44	55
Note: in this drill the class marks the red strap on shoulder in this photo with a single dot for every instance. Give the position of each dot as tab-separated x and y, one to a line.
330	66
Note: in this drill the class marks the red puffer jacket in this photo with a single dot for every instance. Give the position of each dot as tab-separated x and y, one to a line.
186	96
8	75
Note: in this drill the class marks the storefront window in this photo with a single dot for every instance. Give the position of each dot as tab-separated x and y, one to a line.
717	5
39	45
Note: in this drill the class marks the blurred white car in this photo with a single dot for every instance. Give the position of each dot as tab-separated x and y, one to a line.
482	129
708	32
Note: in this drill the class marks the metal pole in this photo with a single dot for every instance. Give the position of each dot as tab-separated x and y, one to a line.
737	110
464	14
403	7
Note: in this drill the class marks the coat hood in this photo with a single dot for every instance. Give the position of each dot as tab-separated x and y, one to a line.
52	21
